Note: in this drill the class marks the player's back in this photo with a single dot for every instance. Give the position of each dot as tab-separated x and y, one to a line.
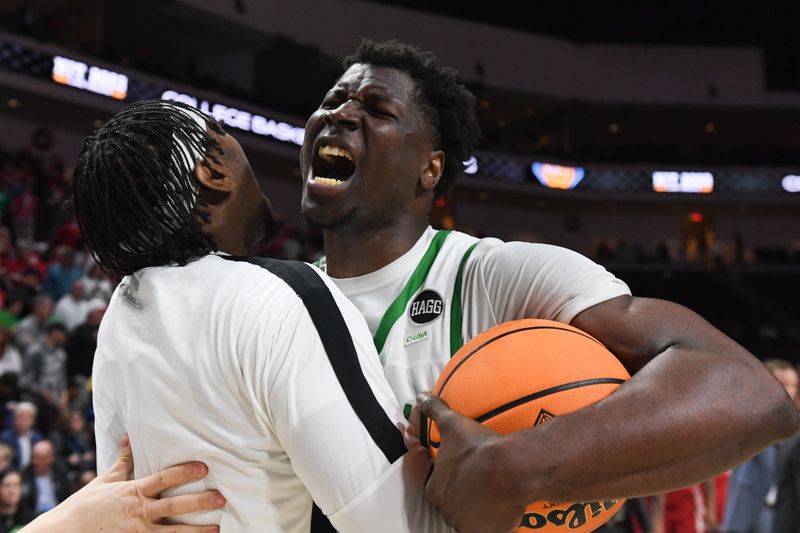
212	361
173	355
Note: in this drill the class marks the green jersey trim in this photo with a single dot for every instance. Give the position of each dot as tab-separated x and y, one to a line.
398	306
456	336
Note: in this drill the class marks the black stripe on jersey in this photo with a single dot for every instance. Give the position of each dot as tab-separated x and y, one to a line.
338	344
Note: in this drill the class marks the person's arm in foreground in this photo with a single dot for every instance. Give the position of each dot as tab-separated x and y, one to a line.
111	503
699	405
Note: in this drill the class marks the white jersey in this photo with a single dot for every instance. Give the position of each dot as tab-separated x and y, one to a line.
221	360
449	287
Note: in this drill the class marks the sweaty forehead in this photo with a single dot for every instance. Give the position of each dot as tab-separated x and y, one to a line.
388	81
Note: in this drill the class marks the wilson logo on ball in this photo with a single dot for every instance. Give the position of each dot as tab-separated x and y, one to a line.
575	516
426	307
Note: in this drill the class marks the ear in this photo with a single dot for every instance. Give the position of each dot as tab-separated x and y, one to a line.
213	177
432	171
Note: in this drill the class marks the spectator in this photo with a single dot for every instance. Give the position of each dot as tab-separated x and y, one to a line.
9	396
6	457
11	314
30	284
33	328
77	446
634	516
61	274
44	374
27	258
10	361
68	234
22	436
72	307
787	504
45	483
753	486
24	208
83	342
97	285
684	510
13	512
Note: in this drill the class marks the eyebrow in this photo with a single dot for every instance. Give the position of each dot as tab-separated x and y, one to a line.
376	92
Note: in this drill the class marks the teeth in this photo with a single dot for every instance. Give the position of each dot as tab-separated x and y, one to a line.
327	149
327	181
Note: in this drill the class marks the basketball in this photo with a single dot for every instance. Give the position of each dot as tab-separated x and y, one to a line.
520	374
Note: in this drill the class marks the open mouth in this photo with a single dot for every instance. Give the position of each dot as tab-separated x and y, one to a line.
332	165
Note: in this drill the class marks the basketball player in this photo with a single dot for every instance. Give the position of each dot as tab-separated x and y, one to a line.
263	368
390	137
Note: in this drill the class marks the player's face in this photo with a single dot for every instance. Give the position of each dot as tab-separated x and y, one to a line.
364	149
248	201
11	489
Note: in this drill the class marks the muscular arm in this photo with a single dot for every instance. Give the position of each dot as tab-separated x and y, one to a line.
699	405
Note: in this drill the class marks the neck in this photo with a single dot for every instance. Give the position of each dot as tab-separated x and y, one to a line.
232	247
352	252
230	238
8	508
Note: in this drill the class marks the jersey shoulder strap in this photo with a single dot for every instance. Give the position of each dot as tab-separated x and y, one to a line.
415	282
338	344
456	311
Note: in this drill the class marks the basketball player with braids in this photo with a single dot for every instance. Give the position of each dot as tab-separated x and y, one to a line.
261	367
390	137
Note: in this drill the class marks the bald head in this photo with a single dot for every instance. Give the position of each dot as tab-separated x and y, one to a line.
42	457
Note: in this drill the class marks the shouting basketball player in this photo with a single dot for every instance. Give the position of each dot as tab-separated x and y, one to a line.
390	137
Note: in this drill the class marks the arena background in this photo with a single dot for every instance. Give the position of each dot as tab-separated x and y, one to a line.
662	140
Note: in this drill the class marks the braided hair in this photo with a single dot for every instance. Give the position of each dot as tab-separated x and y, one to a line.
135	194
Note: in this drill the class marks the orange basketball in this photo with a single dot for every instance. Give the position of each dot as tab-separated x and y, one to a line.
521	374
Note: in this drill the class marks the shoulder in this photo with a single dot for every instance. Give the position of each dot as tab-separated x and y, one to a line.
243	281
502	255
262	287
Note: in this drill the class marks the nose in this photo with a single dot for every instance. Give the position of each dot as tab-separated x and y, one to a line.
344	115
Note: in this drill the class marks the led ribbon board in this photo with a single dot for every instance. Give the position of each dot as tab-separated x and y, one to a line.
240	119
692	182
557	176
791	183
90	78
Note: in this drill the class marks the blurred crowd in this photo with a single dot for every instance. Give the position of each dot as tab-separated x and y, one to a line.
52	299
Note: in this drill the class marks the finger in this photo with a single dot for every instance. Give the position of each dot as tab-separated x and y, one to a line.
180	528
123	467
157	483
434	408
185	503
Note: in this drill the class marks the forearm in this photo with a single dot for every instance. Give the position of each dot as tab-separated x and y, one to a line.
57	519
686	416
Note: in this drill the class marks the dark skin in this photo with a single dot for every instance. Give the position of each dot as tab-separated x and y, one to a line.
371	112
698	402
240	216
